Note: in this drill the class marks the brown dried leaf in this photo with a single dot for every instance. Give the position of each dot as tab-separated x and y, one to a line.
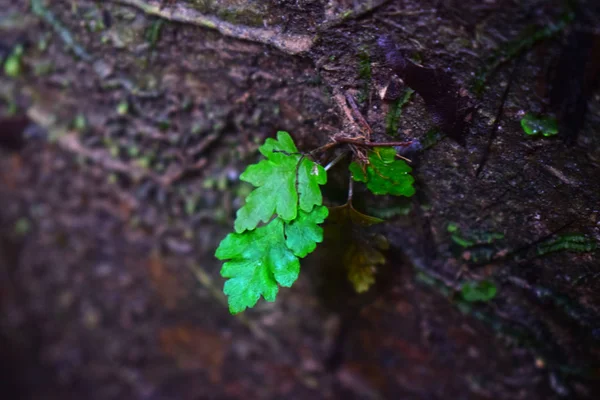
361	251
195	349
362	259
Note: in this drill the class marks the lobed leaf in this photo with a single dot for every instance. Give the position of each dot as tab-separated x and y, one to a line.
303	233
283	181
362	258
258	261
288	194
384	174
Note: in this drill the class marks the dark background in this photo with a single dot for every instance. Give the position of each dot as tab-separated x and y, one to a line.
108	284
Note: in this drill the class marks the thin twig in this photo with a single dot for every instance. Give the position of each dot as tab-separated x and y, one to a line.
335	161
362	123
350	190
341	101
361	142
494	129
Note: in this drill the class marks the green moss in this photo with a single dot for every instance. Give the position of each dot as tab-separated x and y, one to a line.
527	39
22	226
123	108
452	227
190	206
401	209
164	124
393	117
364	64
43	68
13	63
133	151
144	162
472	238
478	291
431	138
114	150
209	183
346	14
43	42
11	106
364	74
568	242
153	32
80	123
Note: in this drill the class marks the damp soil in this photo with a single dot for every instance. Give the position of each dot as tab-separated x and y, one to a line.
123	132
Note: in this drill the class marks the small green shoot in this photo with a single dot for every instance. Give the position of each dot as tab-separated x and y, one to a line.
478	291
534	125
393	116
474	238
364	73
153	33
123	108
12	65
22	226
80	122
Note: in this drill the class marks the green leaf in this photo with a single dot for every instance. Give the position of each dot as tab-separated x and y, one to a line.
303	233
534	124
12	65
310	176
283	181
478	291
359	173
385	174
573	242
259	260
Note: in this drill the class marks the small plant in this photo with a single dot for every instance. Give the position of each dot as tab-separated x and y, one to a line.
573	242
13	63
534	125
482	291
280	220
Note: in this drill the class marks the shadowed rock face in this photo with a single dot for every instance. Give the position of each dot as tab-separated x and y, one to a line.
108	283
447	107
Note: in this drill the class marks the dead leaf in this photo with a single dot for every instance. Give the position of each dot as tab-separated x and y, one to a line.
362	252
165	282
362	259
194	348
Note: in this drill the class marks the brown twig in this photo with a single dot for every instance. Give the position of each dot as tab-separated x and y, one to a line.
360	142
341	101
362	123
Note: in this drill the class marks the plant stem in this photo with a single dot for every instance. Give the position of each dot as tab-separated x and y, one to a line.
359	142
335	160
350	190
